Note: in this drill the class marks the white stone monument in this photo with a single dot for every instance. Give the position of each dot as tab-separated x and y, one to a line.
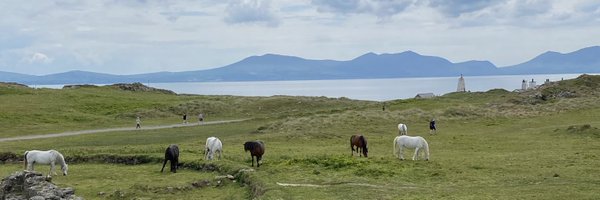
461	84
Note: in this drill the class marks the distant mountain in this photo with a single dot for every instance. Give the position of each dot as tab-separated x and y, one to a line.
14	77
586	60
270	67
77	77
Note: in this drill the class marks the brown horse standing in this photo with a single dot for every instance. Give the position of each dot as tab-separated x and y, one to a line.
361	144
256	148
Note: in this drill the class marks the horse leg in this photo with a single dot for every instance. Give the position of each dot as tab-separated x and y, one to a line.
173	166
253	160
401	152
163	168
416	155
52	169
258	161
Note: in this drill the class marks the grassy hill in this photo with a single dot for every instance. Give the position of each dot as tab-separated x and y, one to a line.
540	144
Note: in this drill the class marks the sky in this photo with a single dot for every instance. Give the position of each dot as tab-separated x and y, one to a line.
142	36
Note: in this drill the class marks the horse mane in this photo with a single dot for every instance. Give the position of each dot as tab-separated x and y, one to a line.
60	158
425	146
251	145
364	141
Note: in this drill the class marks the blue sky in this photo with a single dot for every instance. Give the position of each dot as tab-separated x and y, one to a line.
140	36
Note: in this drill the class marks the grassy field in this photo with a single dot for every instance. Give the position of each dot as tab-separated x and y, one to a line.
541	144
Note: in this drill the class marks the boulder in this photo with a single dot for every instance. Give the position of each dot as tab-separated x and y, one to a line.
33	185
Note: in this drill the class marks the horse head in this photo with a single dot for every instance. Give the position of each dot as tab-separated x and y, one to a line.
64	169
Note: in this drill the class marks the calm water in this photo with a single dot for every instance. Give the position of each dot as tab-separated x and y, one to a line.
363	89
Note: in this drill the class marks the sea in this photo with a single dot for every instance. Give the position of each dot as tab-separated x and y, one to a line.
359	89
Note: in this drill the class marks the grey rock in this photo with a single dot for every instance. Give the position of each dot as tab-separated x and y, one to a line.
33	185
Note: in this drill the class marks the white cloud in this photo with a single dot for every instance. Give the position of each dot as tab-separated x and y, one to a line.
383	9
251	11
37	57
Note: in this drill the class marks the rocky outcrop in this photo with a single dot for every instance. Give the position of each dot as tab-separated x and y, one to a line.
13	84
140	87
32	185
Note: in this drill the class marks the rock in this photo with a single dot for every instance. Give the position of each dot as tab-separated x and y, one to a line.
139	87
202	183
32	185
556	175
37	198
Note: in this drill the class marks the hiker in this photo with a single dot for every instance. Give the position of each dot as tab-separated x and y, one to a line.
432	129
138	121
200	118
185	118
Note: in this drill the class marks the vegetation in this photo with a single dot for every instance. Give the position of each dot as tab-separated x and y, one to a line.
540	144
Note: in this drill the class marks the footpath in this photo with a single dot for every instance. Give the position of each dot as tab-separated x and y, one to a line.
82	132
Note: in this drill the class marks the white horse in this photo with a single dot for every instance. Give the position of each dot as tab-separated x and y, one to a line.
213	145
402	129
416	143
45	157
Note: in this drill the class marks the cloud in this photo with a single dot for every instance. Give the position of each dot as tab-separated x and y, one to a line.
173	16
380	8
38	58
251	12
455	8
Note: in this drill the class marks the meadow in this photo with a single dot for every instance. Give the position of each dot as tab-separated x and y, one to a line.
541	144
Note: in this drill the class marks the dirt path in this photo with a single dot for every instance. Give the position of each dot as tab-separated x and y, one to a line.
82	132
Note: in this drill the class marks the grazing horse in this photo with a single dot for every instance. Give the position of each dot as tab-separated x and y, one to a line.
256	148
402	130
172	155
45	157
213	145
416	143
361	144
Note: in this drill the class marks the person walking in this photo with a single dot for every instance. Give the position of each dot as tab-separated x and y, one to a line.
432	129
200	118
185	118
138	121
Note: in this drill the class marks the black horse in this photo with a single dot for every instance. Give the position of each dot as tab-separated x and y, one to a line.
171	154
256	148
361	144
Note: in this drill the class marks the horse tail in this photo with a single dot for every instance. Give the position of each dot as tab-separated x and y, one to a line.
25	159
395	146
426	147
351	146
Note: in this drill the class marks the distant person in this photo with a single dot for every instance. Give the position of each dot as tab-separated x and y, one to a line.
138	122
185	118
200	118
432	129
383	108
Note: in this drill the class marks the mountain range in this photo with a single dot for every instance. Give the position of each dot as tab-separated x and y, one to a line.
270	67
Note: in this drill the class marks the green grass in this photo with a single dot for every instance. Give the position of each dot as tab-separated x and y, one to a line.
491	145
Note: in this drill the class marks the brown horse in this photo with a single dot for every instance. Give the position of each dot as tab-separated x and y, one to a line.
361	144
256	148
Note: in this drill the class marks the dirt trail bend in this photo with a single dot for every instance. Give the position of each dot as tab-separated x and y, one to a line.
71	133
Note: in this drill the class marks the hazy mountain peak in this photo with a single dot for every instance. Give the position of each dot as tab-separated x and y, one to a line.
370	65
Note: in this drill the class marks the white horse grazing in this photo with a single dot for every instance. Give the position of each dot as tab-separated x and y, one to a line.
402	129
213	145
45	157
416	143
